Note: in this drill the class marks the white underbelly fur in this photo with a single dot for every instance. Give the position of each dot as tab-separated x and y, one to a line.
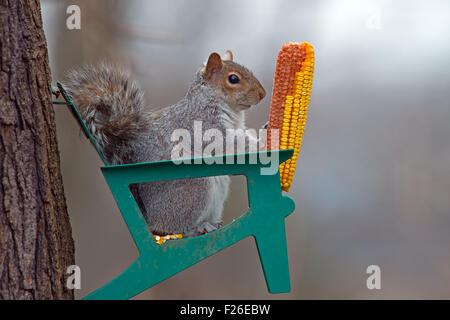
218	188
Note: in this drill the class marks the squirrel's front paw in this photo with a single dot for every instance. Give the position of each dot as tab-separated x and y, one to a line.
262	143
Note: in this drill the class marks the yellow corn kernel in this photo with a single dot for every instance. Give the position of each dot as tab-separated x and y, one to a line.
161	239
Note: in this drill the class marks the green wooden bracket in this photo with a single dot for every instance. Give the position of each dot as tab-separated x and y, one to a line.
265	220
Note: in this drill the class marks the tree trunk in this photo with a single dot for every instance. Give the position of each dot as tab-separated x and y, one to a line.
36	244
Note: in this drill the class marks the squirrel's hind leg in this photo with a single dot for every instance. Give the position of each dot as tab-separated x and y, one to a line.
201	229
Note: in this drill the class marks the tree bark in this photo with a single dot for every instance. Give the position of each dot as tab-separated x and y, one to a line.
36	244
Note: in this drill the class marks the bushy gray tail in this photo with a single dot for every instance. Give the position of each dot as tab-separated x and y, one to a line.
112	106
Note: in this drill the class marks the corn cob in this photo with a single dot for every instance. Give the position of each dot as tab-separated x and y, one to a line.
289	105
162	239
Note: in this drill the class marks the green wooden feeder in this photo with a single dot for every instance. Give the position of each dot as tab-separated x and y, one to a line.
264	220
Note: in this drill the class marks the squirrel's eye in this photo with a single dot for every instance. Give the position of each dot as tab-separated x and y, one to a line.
232	78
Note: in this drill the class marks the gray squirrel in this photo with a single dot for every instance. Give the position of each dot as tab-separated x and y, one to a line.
113	109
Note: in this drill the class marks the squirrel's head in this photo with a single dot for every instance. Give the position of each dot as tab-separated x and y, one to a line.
235	84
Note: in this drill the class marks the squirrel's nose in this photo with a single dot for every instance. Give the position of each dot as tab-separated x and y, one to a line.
262	93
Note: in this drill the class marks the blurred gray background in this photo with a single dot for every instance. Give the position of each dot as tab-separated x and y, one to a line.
373	181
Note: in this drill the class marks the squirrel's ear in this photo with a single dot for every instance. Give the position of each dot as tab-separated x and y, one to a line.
228	56
213	65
